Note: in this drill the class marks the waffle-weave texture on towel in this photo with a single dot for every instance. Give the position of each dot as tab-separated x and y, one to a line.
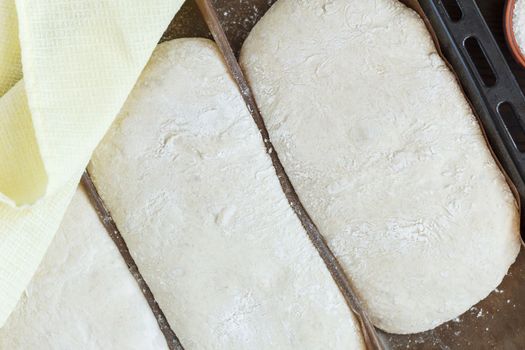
66	68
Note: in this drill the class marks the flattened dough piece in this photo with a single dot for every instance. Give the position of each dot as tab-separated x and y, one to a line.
186	177
82	296
385	154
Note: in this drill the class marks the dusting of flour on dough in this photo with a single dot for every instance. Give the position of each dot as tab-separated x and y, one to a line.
518	24
82	296
203	213
386	156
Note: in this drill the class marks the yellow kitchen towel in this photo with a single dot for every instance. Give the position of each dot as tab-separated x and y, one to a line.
79	60
10	64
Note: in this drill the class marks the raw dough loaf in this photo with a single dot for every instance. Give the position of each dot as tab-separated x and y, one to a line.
385	154
82	296
186	177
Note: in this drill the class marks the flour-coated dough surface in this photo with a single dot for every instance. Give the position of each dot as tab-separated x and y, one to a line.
186	177
518	24
385	154
82	296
